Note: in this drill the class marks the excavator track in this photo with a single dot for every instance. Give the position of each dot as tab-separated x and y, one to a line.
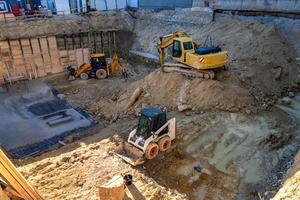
187	71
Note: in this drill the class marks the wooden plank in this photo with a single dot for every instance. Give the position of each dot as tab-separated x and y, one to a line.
79	57
7	59
18	59
1	73
72	58
16	180
46	55
37	57
28	58
54	53
64	58
86	55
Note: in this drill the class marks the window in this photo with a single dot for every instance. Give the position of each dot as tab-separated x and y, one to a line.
188	45
3	7
176	49
143	126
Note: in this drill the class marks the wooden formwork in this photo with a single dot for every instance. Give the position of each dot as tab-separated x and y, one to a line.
37	57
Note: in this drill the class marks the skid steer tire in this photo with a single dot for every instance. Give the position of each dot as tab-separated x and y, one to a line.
164	143
101	74
84	76
151	151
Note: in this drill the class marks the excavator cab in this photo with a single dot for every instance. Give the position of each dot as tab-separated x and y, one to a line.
181	46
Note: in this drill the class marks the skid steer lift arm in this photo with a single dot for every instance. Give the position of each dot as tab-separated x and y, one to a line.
15	180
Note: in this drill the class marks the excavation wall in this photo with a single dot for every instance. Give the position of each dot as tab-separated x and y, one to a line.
39	56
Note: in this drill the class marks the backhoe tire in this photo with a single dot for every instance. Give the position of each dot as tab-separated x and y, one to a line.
164	143
151	151
101	74
84	76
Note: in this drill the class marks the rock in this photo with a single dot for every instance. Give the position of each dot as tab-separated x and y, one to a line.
61	96
68	139
286	101
183	107
277	73
275	97
134	97
248	112
291	94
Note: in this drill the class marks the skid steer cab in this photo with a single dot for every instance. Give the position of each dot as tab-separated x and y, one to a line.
153	134
97	68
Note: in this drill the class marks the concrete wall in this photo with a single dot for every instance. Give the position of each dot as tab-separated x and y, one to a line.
270	5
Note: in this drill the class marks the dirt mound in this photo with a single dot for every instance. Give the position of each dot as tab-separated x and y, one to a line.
290	189
78	173
176	91
260	59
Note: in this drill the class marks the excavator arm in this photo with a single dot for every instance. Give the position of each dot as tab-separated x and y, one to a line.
166	41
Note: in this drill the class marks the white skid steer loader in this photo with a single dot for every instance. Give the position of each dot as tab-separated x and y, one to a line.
153	134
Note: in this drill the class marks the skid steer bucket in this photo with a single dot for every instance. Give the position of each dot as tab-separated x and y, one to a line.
130	154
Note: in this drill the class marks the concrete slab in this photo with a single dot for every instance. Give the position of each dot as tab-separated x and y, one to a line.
32	119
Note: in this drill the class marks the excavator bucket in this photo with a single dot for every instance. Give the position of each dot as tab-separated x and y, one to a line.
130	154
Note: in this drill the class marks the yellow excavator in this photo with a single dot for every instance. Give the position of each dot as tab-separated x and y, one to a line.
191	60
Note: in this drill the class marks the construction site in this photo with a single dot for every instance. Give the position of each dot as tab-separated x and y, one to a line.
150	100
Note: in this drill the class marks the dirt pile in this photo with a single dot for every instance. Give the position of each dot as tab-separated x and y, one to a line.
175	91
76	174
291	186
260	59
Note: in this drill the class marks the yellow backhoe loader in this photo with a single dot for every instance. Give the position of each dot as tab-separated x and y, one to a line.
97	68
191	60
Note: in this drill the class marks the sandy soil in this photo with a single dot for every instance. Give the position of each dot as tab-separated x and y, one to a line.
75	171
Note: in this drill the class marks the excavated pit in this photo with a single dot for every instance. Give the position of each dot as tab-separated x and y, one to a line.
232	142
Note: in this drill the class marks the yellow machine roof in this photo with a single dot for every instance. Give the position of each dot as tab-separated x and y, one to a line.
184	39
97	55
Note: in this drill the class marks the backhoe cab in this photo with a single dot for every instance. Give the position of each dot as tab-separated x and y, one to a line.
154	133
189	57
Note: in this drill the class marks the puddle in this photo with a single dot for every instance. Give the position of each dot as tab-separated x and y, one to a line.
228	146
